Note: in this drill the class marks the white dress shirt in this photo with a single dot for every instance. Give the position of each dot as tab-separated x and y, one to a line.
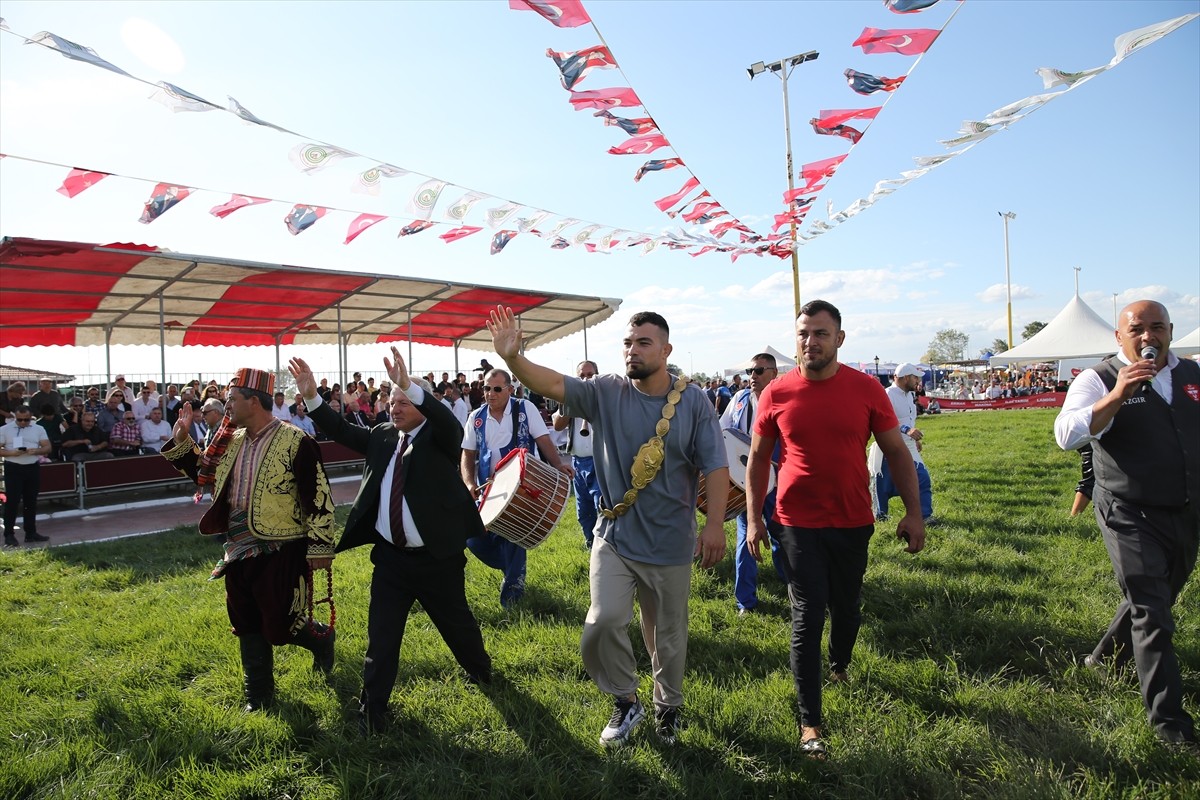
1072	427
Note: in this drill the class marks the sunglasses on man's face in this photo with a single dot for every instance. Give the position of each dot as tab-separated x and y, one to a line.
496	389
757	370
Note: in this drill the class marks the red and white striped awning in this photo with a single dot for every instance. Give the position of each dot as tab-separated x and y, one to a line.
75	294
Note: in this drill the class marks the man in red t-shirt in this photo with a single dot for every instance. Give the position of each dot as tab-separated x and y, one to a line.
823	413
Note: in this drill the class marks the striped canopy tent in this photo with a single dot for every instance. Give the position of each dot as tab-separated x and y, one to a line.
76	294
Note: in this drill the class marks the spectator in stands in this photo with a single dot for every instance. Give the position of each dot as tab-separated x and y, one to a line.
335	394
22	444
355	416
301	419
155	432
126	437
210	415
383	403
112	412
458	405
212	391
154	394
323	390
170	404
279	409
86	441
46	393
15	396
93	403
143	403
75	412
475	394
54	424
125	390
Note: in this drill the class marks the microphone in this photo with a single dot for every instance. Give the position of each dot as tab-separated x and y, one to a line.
1150	353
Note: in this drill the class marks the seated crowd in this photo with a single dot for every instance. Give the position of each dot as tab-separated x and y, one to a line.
120	421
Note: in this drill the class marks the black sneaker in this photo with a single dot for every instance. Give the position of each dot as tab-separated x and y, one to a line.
667	724
10	541
625	717
35	537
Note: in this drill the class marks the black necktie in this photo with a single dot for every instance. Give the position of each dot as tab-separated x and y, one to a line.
396	506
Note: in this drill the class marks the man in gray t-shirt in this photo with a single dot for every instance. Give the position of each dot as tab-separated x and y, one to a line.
655	435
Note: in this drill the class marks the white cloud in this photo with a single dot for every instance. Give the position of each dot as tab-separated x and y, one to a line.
152	46
997	292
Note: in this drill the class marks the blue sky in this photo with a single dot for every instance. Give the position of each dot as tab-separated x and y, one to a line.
1104	179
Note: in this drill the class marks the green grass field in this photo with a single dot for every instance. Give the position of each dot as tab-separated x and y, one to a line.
119	679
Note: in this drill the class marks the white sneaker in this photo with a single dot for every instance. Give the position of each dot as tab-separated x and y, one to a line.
625	717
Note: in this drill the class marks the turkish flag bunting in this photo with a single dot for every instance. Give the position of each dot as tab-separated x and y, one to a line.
79	179
905	41
561	13
458	233
360	224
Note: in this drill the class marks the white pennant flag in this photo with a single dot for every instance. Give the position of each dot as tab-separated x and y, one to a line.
585	233
500	214
1018	109
242	112
933	161
1054	77
968	138
425	198
532	221
370	181
178	99
74	51
1127	44
310	158
562	225
457	211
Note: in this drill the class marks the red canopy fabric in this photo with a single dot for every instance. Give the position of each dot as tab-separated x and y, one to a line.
73	294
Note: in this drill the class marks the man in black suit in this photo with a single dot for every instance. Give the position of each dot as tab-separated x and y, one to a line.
418	534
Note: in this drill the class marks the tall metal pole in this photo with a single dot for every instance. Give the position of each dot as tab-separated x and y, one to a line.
791	181
783	68
1007	215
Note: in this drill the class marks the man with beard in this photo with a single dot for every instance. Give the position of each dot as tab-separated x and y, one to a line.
823	413
654	436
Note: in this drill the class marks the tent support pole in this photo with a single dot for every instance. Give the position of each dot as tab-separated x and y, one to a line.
410	358
585	346
277	355
162	344
341	367
108	356
456	356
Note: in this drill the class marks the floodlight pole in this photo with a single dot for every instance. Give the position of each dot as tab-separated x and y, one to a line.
1007	215
783	68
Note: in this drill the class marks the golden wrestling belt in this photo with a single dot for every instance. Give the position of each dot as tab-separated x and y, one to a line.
649	458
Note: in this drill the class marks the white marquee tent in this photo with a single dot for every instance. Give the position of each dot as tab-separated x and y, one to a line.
1188	345
1076	332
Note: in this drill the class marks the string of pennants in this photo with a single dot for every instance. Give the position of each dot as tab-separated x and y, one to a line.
508	219
645	137
969	135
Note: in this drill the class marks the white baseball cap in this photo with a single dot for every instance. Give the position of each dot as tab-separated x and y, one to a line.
907	369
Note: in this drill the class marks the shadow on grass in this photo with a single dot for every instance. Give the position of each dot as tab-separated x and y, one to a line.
176	551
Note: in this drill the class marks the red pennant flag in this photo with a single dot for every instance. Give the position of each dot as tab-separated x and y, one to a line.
561	13
722	228
604	98
360	224
640	145
655	165
163	199
905	41
670	200
700	209
458	233
79	179
302	217
708	248
234	203
817	170
827	119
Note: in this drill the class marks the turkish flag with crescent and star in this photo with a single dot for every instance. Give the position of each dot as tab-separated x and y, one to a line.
905	41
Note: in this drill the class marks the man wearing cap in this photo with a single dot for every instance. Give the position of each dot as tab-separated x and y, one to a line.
271	501
417	515
739	415
10	399
902	393
580	446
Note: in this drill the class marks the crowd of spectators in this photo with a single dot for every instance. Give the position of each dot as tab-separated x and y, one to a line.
122	420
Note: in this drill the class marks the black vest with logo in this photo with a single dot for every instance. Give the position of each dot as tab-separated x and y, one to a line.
1151	454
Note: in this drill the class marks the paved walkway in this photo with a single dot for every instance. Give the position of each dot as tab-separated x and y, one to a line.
138	517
